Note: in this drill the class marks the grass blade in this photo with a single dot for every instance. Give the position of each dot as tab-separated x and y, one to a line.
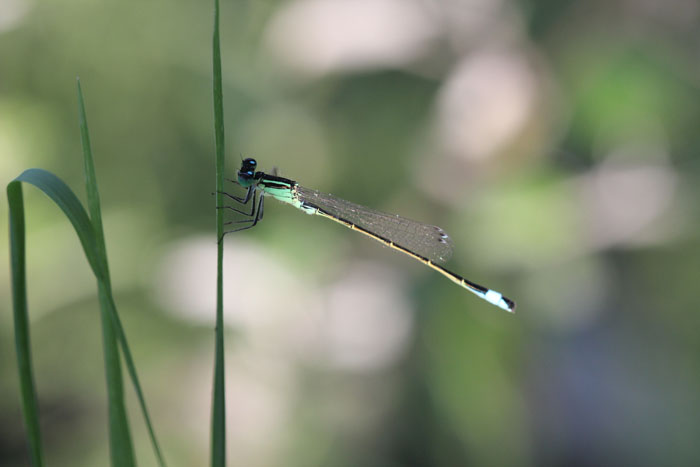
69	203
21	319
65	199
120	440
58	191
120	444
91	236
218	408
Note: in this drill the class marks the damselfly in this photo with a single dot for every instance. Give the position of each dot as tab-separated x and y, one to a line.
427	243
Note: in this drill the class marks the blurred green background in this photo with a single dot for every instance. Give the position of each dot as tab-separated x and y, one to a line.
555	141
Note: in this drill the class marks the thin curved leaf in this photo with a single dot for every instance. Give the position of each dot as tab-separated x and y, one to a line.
21	320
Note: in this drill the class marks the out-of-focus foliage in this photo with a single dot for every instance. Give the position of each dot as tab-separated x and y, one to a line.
556	141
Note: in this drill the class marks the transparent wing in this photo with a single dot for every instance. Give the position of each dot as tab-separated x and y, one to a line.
425	240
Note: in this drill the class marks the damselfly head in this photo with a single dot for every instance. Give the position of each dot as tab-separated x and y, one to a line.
247	171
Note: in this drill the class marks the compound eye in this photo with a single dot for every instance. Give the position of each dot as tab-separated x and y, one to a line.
249	163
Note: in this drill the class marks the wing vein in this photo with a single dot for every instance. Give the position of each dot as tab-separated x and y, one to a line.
425	240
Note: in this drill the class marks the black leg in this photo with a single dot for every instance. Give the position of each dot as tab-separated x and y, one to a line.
244	199
247	198
235	210
239	222
258	217
261	207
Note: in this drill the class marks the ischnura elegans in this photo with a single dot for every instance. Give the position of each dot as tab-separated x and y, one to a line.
427	243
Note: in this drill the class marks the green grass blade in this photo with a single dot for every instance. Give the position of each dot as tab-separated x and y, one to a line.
120	444
21	319
60	194
69	203
58	191
113	330
218	409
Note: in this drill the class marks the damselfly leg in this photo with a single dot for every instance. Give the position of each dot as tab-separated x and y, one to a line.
256	214
252	206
